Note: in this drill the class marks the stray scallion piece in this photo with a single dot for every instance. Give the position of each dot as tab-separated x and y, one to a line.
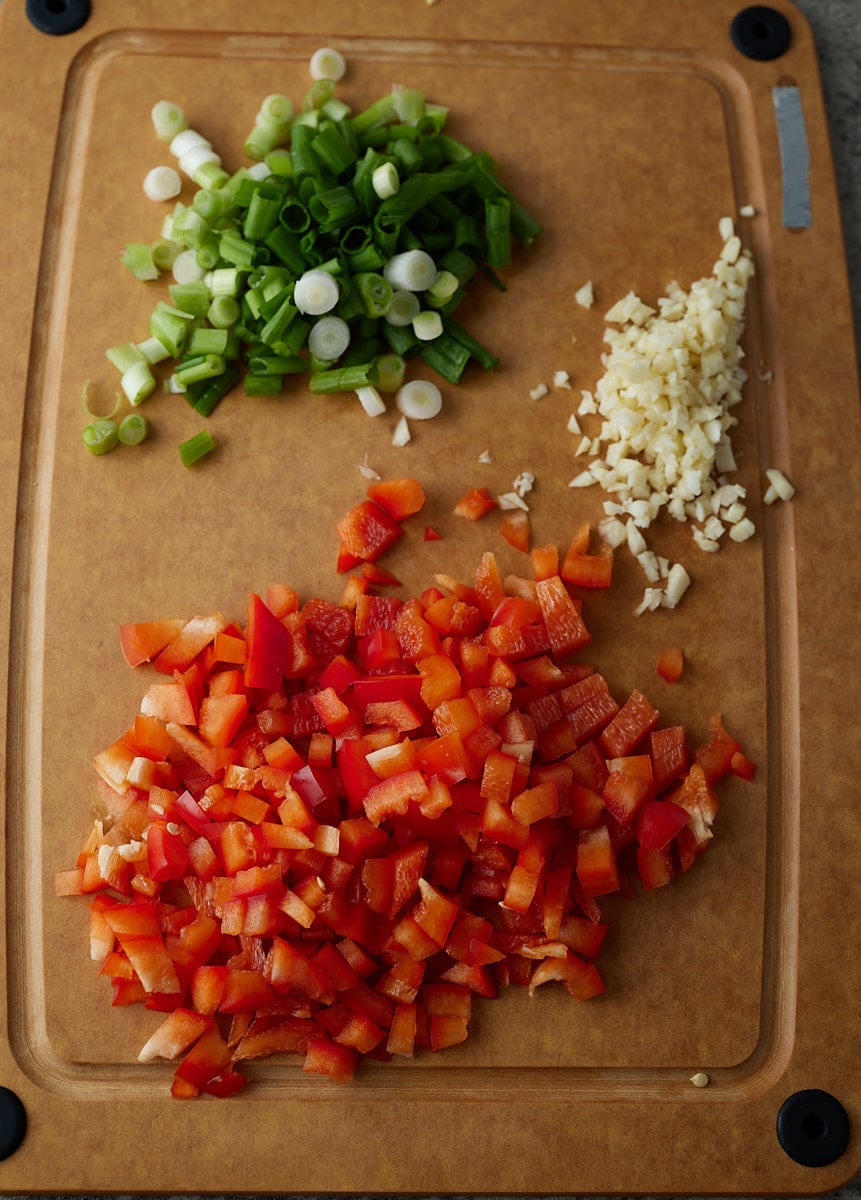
88	412
162	183
132	429
168	120
337	253
101	436
195	448
420	400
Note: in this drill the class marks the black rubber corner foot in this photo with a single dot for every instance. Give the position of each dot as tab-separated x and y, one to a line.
813	1128
58	16
13	1122
760	32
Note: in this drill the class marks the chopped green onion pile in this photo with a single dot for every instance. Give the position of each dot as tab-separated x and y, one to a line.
340	254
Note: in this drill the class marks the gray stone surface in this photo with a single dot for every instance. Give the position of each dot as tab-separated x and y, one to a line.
836	26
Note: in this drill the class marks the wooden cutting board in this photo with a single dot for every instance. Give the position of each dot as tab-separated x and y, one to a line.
630	129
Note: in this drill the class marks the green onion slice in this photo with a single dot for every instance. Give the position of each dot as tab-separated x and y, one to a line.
132	429
196	448
85	404
101	436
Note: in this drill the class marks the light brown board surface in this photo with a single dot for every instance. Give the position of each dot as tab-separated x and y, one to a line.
630	130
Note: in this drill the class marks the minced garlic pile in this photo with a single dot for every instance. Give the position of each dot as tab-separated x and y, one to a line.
672	376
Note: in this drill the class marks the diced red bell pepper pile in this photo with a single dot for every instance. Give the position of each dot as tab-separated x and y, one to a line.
329	828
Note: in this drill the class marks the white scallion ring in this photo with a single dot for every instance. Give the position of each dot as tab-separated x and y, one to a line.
162	183
420	400
327	63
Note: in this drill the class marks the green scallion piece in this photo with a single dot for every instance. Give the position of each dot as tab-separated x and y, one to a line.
447	357
223	312
208	252
442	289
295	337
132	429
370	258
193	298
318	94
460	264
362	350
263	385
262	213
210	203
333	148
478	352
294	215
390	372
350	306
138	382
124	356
286	247
214	391
409	104
276	327
101	436
375	293
344	379
262	140
208	341
494	279
333	207
279	162
235	249
202	366
189	228
305	162
164	253
382	112
168	120
466	235
497	229
195	448
401	340
139	260
277	364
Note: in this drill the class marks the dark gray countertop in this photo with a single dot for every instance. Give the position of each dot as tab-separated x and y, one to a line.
836	26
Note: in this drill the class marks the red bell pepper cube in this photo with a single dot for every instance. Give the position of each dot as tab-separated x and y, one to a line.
402	1031
515	528
244	991
366	532
402	981
624	794
655	867
596	866
325	1057
392	796
475	504
716	756
631	724
268	646
583	936
579	978
143	641
401	498
566	629
658	822
434	913
177	1032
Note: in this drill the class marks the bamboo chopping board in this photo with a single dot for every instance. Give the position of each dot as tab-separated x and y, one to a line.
630	130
